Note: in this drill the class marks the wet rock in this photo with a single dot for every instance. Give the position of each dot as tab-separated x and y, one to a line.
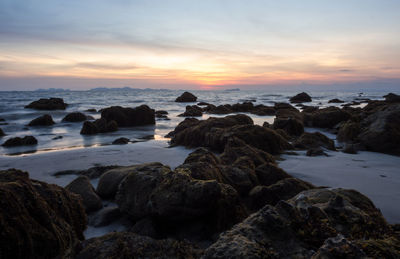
392	98
161	114
350	149
105	217
314	140
188	122
316	152
300	98
381	130
269	173
339	247
262	110
192	111
335	100
48	104
57	138
348	131
291	126
97	171
17	141
38	220
325	118
130	245
121	141
2	133
98	126
203	104
186	97
128	117
297	228
84	188
145	227
91	110
215	133
74	117
284	189
44	120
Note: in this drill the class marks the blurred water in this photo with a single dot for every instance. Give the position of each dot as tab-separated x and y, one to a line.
16	117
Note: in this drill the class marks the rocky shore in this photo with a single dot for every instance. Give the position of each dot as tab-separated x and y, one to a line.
228	199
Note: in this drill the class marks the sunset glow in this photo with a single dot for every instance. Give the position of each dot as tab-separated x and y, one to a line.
213	43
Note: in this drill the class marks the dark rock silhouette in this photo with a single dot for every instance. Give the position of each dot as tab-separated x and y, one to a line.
186	97
75	117
300	98
44	120
48	104
17	141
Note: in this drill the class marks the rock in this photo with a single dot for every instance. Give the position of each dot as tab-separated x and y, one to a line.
91	110
97	171
316	152
110	180
17	141
48	104
1	120
129	117
57	137
339	247
300	98
203	104
335	100
121	141
348	131
314	140
130	245
84	188
161	112
145	227
392	98
162	115
262	110
188	122
74	117
350	149
192	111
98	126
44	120
176	198
325	118
284	189
186	97
299	227
269	173
105	217
38	220
215	133
291	126
2	133
381	130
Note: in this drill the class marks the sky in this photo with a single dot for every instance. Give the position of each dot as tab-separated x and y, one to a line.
208	44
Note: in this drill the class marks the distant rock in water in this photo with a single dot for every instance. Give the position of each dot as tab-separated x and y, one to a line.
2	133
186	97
121	141
335	101
192	111
98	126
44	120
48	104
392	98
75	117
17	141
129	117
38	220
300	98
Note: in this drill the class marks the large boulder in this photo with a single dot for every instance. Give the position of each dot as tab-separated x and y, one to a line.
44	120
314	140
291	126
348	131
174	197
83	187
326	118
98	126
38	220
192	111
392	98
299	227
381	130
48	104
186	97
300	98
130	245
17	141
129	117
215	133
74	117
